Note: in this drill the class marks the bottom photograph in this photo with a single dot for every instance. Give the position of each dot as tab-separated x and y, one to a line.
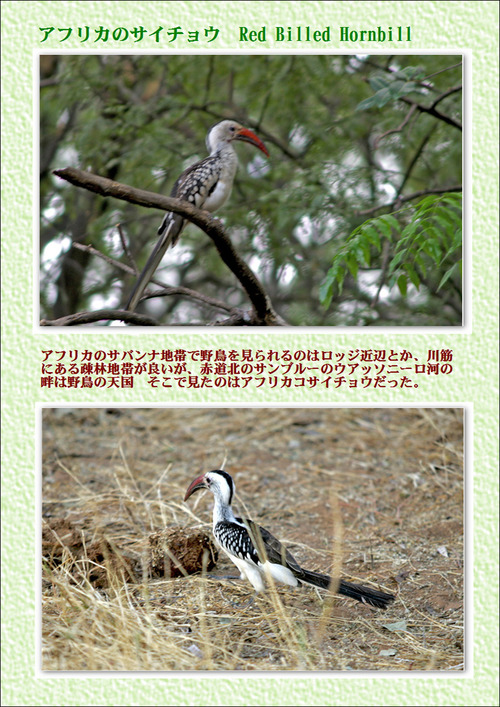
252	538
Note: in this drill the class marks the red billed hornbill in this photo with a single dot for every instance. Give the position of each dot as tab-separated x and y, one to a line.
256	552
206	184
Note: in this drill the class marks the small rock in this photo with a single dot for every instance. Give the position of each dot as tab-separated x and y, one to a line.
194	650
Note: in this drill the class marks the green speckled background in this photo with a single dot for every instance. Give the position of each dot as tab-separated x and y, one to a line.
469	27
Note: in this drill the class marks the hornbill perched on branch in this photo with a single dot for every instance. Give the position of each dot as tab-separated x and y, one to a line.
206	184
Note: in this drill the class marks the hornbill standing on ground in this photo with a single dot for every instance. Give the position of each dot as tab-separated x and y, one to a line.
255	551
206	184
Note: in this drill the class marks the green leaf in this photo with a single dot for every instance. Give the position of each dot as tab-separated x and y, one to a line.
457	267
412	274
421	264
366	104
454	199
360	249
352	264
391	221
378	82
396	260
326	291
431	248
373	236
432	232
411	72
405	88
409	230
384	96
340	281
365	248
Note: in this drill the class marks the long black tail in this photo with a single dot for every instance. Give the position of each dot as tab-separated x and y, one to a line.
169	231
366	595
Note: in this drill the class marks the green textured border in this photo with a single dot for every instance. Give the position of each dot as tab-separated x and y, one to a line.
459	27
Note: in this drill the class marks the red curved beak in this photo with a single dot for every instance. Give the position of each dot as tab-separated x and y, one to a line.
198	483
247	135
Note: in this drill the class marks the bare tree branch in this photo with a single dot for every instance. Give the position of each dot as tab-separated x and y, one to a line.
431	110
418	152
410	197
99	315
449	92
85	248
425	192
399	129
166	290
192	294
237	317
125	247
264	312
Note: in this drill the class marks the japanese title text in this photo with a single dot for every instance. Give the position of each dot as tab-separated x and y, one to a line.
301	34
106	35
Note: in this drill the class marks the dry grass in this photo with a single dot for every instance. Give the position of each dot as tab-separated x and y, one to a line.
378	492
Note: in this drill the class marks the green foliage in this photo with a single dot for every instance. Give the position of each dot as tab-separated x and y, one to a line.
389	87
432	237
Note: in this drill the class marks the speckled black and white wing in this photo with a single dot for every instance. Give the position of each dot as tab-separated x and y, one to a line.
269	547
253	543
195	185
235	540
253	551
277	554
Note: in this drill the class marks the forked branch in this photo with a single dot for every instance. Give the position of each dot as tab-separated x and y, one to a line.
263	313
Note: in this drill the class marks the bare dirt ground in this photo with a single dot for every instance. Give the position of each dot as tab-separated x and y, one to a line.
377	492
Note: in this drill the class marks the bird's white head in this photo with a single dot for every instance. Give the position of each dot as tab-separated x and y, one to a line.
226	131
219	482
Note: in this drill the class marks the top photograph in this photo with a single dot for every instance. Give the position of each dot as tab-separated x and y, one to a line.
266	190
